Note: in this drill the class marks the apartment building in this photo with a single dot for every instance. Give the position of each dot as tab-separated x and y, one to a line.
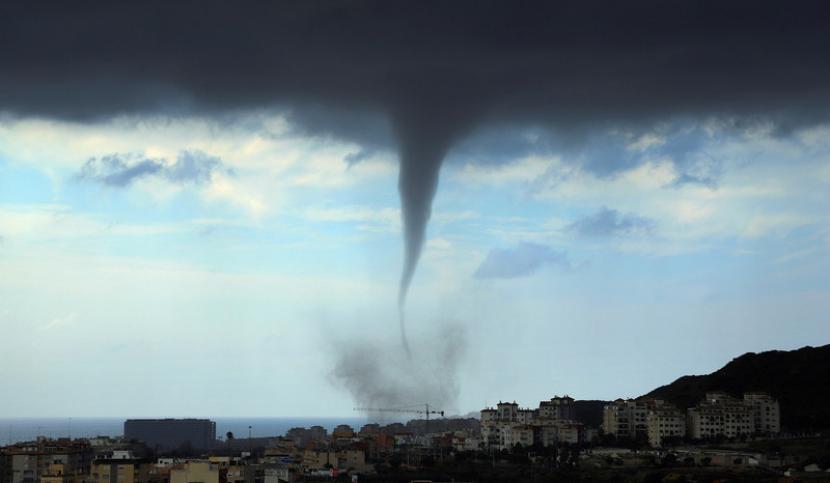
627	418
521	434
558	408
651	420
552	423
665	422
766	412
28	462
721	415
61	473
166	434
122	467
195	471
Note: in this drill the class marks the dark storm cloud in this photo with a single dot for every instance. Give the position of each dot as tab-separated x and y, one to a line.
523	260
121	170
609	222
437	71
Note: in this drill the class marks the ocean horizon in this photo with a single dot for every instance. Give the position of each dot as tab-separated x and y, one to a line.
19	429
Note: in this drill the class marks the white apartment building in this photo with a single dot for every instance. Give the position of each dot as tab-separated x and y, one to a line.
651	419
519	434
665	421
626	418
507	424
558	408
720	415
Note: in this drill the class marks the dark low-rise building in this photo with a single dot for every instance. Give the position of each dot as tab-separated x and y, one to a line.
171	434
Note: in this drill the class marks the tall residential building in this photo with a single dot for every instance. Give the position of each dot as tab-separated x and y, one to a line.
165	434
720	415
559	408
766	412
121	469
507	424
27	462
665	421
644	419
626	418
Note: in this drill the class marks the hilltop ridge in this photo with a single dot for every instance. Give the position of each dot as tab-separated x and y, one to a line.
799	379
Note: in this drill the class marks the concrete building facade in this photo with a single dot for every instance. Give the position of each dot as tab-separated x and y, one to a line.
665	422
166	434
121	470
720	415
552	423
766	412
627	418
195	471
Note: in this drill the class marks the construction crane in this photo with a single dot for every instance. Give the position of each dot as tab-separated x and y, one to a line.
410	410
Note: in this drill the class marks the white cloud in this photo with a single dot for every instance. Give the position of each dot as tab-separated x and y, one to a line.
774	224
386	216
521	171
646	141
269	159
30	223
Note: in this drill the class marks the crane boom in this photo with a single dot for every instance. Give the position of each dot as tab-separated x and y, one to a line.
426	412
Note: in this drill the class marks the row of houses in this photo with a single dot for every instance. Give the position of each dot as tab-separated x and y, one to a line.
301	453
75	461
718	415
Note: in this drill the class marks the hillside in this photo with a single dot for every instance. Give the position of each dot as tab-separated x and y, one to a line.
799	379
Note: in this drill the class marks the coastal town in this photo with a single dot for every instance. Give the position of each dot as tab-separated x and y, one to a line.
506	443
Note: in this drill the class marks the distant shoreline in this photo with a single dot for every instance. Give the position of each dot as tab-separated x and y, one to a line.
16	429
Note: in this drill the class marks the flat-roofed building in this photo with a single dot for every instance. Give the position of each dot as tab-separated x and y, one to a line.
766	412
627	418
195	471
665	421
552	423
166	434
521	434
60	473
121	470
27	462
557	408
720	415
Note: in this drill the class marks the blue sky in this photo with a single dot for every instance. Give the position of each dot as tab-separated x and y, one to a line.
154	266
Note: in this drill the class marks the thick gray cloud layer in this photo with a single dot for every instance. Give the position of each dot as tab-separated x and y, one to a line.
121	170
437	71
521	261
608	222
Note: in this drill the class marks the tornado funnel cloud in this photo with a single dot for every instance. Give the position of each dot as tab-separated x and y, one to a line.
422	150
417	184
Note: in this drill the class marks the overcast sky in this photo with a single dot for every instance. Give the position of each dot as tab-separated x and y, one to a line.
215	229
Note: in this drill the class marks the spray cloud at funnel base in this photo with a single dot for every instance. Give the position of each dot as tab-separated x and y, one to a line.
384	376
